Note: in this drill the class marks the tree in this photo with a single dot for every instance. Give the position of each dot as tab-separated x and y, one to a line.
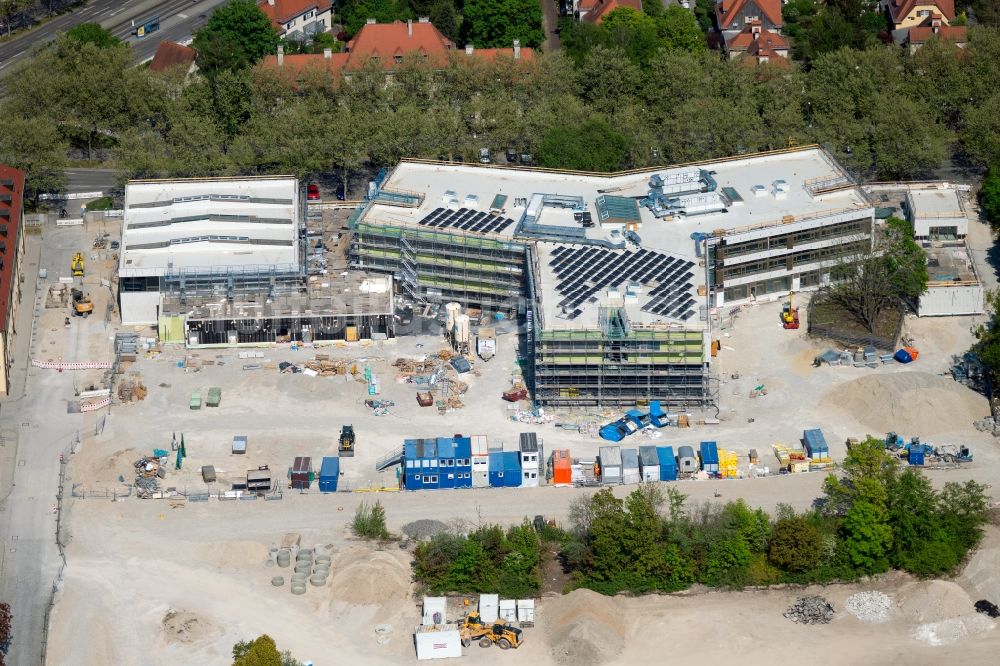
678	29
591	146
633	32
912	514
93	33
980	133
496	23
866	474
989	195
795	545
867	537
34	146
236	36
369	521
875	280
9	9
261	651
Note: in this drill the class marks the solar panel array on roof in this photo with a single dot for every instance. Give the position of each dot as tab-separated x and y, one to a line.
466	219
583	272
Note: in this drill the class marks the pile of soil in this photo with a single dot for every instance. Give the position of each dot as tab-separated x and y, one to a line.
584	628
184	627
944	611
918	402
231	554
373	579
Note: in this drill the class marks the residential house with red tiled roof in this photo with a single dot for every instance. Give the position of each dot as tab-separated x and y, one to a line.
757	43
298	20
906	14
935	28
732	16
11	253
388	45
171	55
594	11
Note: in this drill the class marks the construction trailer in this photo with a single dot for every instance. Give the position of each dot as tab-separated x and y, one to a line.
687	462
668	464
480	461
329	474
301	473
630	466
441	462
505	469
561	467
649	464
610	460
531	459
437	642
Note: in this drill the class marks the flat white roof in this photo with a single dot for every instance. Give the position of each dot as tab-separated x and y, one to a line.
941	202
206	223
800	169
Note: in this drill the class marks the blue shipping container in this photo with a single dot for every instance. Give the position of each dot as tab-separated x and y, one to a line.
329	474
496	469
709	456
668	465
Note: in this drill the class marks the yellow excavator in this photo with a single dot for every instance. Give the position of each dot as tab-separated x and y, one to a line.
790	313
82	306
77	265
498	633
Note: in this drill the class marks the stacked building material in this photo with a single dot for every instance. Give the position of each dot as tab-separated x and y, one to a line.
728	464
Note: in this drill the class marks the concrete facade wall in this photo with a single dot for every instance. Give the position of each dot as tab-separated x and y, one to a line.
943	301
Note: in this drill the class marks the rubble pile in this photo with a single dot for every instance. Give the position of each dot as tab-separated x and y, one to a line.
870	607
810	610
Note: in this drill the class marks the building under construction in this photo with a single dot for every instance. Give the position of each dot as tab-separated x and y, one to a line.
614	274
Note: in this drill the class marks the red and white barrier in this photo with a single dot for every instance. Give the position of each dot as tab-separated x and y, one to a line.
94	406
62	365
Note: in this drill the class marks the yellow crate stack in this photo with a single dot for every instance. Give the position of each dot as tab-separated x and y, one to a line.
728	463
781	452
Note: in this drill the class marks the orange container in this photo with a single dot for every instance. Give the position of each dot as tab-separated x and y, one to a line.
912	351
561	466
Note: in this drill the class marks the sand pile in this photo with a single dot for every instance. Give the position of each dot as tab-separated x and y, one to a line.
184	627
916	402
584	628
983	569
372	578
944	611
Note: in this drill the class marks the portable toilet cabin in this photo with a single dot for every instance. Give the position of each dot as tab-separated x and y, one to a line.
511	469
561	471
610	458
687	463
709	454
446	462
301	473
815	444
668	464
463	462
531	459
329	474
496	469
630	466
649	464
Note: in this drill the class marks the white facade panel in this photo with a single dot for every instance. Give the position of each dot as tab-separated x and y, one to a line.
140	308
946	301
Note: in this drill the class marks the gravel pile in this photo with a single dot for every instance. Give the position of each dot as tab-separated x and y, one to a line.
424	529
810	610
870	607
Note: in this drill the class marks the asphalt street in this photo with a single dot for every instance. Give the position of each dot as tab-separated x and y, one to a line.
89	180
178	20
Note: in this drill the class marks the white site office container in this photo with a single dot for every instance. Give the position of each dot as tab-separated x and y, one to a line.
435	606
508	609
480	471
489	607
526	611
434	643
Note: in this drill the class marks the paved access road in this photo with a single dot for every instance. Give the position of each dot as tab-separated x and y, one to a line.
178	20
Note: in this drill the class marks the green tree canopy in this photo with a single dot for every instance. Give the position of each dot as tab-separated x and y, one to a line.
93	33
590	146
237	35
795	545
497	23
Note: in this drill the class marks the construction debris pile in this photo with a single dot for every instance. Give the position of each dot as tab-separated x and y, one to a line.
989	424
870	607
810	610
148	471
132	390
437	375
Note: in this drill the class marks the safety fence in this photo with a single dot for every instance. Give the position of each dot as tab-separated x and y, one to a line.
62	365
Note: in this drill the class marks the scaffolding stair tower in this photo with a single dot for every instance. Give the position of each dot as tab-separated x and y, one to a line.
389	460
408	271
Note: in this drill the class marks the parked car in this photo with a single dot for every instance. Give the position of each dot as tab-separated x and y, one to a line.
312	192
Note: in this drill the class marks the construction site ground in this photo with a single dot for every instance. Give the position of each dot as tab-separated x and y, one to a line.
163	581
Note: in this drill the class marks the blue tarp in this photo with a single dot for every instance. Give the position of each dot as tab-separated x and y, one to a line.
903	356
